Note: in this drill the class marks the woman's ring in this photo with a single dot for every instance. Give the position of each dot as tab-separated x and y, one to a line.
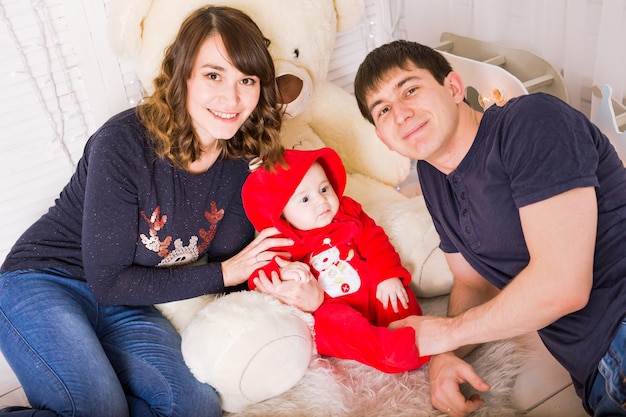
256	258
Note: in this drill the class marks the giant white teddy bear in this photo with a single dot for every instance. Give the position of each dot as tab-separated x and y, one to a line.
302	35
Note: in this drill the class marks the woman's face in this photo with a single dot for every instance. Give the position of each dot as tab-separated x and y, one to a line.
219	97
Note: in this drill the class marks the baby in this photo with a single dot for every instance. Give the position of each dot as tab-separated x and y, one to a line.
336	242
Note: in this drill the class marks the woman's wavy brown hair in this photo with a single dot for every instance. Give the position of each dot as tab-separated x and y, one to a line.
165	114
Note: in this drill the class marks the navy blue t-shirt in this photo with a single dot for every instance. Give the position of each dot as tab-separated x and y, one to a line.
125	211
531	149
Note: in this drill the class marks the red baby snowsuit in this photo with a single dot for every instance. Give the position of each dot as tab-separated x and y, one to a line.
349	258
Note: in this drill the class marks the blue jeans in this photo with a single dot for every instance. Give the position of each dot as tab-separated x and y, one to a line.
77	357
608	393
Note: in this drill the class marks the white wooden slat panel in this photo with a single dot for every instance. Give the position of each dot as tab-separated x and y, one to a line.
42	112
352	46
36	181
100	70
16	138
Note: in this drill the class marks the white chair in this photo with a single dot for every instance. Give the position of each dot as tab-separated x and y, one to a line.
535	73
610	116
490	83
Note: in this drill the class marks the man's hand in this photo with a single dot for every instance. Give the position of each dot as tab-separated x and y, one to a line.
447	373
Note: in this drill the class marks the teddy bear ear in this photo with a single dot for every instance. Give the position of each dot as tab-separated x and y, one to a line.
125	25
349	13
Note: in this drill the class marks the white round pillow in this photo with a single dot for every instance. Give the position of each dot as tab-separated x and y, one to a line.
249	347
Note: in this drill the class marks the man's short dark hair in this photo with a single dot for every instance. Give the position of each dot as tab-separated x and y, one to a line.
396	54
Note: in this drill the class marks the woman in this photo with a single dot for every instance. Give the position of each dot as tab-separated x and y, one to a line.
158	188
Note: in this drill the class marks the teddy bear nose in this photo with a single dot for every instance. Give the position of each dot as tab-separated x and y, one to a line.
289	87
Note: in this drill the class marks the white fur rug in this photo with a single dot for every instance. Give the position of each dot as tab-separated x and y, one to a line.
337	388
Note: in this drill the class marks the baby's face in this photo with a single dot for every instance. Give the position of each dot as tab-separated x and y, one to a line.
314	204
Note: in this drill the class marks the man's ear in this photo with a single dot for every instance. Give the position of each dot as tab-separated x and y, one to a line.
455	83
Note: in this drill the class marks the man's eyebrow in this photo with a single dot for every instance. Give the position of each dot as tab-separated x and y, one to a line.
396	87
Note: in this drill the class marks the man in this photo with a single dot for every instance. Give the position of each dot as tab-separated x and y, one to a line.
529	200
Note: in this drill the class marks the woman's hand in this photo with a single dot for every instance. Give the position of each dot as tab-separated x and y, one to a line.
307	296
391	291
256	255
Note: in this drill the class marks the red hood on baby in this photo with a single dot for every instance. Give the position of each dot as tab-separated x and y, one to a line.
265	193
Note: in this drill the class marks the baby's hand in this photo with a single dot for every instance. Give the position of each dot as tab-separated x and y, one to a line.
392	290
295	271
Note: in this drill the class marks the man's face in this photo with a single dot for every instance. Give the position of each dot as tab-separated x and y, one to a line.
414	115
